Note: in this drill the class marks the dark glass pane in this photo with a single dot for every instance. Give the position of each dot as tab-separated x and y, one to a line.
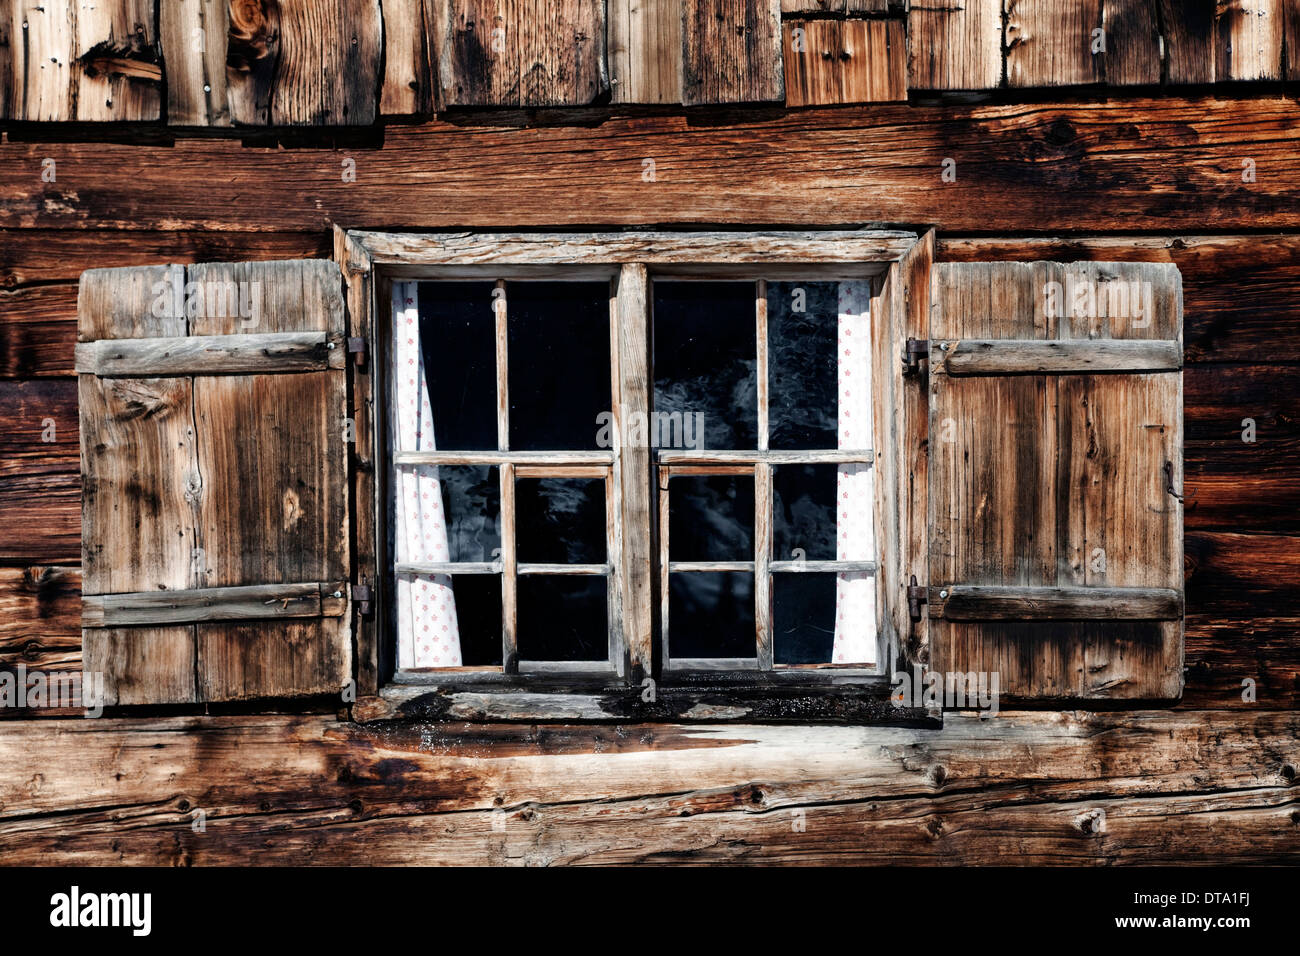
802	329
560	520
478	615
705	359
558	352
563	618
458	339
711	614
804	506
803	618
471	501
711	518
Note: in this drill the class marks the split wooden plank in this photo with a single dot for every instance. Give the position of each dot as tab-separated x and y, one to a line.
66	60
193	34
844	61
521	52
211	355
411	42
645	50
305	63
955	46
1028	356
731	52
255	602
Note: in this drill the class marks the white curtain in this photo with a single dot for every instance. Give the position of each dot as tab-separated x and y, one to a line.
428	634
855	592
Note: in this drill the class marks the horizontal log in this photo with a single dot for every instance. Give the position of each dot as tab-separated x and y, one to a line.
1109	788
966	602
1150	163
1031	356
40	618
250	602
255	353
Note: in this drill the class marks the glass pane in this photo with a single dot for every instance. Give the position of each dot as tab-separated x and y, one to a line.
804	512
558	353
471	501
711	518
458	341
802	326
563	618
560	520
823	618
705	361
447	611
711	614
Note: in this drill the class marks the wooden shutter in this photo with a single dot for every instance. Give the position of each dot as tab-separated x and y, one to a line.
1056	434
214	508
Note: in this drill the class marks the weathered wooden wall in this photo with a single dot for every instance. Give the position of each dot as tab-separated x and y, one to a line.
1210	183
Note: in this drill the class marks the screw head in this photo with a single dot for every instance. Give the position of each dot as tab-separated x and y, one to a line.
943	594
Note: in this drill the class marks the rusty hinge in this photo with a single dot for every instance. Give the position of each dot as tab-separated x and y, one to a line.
916	596
362	597
359	348
917	349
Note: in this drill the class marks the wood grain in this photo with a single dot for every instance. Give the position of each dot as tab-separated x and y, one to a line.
411	43
731	52
193	35
1027	356
844	61
955	46
645	50
1018	789
1143	164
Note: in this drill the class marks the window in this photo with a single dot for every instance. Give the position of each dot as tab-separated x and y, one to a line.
637	465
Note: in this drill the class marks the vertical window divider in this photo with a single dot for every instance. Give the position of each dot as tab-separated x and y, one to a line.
635	468
762	491
509	556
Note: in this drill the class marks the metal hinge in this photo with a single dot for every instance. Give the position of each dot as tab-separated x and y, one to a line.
362	597
917	349
916	596
358	347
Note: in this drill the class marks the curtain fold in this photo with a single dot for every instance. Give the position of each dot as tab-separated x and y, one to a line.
855	592
427	628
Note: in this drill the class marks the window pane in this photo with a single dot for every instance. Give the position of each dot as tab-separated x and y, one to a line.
804	512
471	500
563	618
802	325
560	520
450	611
823	618
458	342
705	359
558	353
711	614
711	518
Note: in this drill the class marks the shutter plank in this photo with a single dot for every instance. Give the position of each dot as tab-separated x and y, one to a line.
142	665
955	46
268	352
645	50
291	659
731	52
1021	356
196	61
973	603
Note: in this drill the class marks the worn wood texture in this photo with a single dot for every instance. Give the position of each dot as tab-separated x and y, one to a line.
304	62
1153	164
194	35
1047	480
955	46
844	61
253	602
521	52
215	481
1248	40
982	603
65	60
645	50
1020	789
731	52
1028	356
40	618
1049	43
411	43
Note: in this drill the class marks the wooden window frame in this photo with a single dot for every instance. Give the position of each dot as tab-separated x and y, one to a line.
637	685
